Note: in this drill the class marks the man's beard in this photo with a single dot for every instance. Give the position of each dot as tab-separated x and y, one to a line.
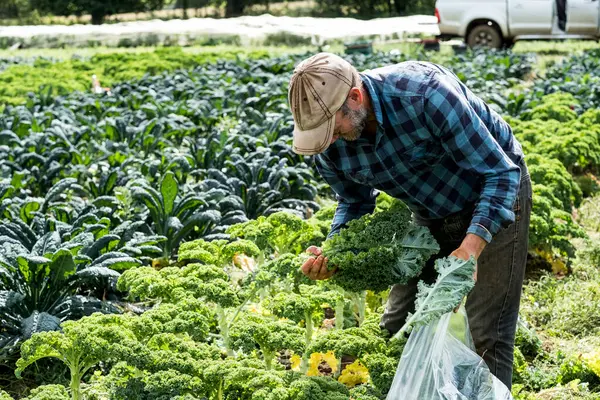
358	120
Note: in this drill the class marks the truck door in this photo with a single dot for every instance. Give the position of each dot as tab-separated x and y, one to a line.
582	17
528	17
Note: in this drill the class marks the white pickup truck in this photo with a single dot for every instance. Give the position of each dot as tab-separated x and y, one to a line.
499	23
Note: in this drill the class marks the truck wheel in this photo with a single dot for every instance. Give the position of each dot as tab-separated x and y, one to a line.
484	35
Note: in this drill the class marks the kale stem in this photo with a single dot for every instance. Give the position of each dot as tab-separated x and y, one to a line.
224	328
308	339
362	306
339	311
75	382
268	356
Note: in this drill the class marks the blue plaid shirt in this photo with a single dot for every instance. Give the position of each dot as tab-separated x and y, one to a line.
438	148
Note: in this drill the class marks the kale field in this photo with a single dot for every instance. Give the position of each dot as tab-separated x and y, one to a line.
151	237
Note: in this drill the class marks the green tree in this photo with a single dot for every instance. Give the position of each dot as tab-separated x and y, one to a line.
235	8
98	9
14	8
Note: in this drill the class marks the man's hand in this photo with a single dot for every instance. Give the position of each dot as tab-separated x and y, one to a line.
316	267
472	245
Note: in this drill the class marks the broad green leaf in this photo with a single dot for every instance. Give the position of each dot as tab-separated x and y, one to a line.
9	138
62	266
205	221
78	242
116	260
174	223
10	249
47	244
8	299
104	242
6	191
106	201
169	189
110	182
28	208
33	267
39	322
148	198
189	203
91	274
81	306
57	190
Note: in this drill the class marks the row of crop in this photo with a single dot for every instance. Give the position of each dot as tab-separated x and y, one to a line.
95	185
20	76
235	319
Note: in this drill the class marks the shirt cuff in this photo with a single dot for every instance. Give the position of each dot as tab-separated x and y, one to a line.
481	231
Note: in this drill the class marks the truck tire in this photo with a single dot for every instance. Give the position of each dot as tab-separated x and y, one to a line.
484	35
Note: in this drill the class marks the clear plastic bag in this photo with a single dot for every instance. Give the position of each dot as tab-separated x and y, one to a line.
439	363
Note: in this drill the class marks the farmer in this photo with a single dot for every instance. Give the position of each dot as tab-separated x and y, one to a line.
414	131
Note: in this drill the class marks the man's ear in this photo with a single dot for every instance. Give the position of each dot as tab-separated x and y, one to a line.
356	98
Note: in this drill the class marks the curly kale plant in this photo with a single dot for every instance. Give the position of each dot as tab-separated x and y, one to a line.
279	233
379	250
48	392
254	331
217	252
81	345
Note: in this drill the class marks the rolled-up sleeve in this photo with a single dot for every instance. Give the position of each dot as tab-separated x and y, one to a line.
452	119
354	199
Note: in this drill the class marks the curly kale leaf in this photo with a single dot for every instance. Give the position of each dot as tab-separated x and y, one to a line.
166	385
283	269
316	388
241	379
48	392
454	282
352	342
279	233
171	284
382	370
270	335
290	305
365	392
379	250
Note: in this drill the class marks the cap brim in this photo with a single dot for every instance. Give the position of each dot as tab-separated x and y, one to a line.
313	141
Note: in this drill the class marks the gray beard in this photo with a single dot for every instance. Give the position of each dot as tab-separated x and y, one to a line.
358	120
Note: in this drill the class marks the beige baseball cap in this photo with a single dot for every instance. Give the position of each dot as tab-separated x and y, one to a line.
318	89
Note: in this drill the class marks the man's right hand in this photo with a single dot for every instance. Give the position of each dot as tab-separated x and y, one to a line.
316	267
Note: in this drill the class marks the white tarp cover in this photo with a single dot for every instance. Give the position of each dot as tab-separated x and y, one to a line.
247	28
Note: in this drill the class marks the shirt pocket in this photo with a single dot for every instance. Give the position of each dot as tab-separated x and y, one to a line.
420	157
363	176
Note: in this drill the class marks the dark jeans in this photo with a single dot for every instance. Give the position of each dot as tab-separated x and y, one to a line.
493	305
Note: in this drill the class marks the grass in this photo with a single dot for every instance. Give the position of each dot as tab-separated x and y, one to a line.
68	53
86	52
554	48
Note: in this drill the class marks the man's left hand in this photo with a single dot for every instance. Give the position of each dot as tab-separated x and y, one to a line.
472	245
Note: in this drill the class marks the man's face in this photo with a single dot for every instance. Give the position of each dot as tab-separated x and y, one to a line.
349	123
